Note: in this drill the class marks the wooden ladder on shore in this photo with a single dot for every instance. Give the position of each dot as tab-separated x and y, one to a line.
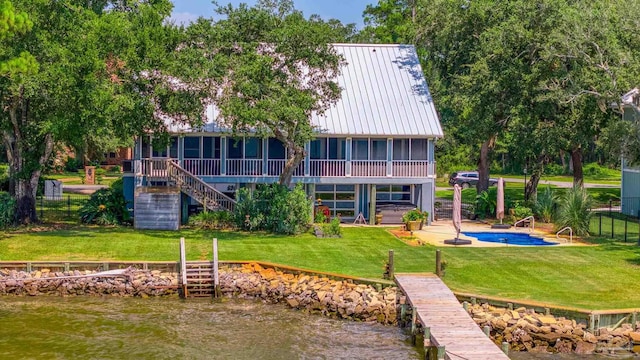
199	278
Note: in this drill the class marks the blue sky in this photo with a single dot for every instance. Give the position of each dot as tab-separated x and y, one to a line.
347	11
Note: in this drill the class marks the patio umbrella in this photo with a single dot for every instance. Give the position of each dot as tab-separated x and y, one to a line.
457	207
500	200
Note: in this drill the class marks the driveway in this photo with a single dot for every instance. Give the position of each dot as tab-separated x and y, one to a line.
82	189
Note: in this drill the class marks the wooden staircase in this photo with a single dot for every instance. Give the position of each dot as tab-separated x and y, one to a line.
199	276
207	195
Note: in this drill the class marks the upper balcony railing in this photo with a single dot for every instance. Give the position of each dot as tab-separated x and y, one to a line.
156	168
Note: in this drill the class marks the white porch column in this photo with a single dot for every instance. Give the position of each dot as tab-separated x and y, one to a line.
347	169
389	157
223	155
307	160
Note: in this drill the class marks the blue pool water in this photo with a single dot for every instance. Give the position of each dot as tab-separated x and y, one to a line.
508	238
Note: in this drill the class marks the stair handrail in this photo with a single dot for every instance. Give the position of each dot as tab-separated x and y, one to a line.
570	233
533	222
183	267
199	189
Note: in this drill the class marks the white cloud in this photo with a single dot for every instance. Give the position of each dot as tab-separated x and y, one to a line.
183	18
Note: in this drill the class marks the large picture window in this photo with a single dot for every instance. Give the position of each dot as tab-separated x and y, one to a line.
210	147
327	149
341	199
378	149
192	147
235	148
360	149
276	149
410	149
253	148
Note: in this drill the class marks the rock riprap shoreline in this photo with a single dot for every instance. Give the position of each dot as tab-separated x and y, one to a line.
523	329
316	294
526	330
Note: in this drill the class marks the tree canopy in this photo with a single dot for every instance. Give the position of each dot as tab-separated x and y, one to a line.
508	73
99	76
267	69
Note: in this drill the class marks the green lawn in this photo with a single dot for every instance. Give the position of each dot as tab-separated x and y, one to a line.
595	277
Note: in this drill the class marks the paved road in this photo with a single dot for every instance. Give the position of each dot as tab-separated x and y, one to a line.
565	184
561	184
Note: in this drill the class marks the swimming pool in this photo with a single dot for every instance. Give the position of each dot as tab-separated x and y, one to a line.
508	238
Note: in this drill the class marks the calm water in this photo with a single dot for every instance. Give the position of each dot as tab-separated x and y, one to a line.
116	328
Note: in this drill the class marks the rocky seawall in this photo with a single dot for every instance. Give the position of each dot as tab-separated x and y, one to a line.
125	282
315	294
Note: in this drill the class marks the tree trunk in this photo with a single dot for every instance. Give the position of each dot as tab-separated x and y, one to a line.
26	160
483	165
531	187
576	161
296	155
25	196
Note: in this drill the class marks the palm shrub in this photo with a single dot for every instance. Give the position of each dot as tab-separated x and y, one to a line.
575	210
486	202
545	205
246	213
106	206
7	210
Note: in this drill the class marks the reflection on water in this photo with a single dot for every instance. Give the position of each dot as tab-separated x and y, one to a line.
116	328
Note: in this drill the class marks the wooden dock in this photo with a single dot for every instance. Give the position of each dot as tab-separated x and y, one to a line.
449	325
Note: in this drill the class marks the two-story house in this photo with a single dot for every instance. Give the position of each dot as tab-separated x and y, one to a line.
374	146
630	185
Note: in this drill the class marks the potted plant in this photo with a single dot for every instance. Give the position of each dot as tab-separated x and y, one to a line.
414	219
378	218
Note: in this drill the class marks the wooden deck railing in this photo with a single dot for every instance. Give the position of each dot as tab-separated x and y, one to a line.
202	167
244	167
275	167
411	168
202	192
328	168
153	169
368	168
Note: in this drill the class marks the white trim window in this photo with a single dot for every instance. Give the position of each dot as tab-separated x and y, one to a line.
393	193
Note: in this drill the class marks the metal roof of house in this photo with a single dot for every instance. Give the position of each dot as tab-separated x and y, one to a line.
384	93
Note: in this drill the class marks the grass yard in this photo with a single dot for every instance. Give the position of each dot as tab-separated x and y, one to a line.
592	277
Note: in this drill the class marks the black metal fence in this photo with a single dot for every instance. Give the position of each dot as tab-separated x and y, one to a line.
613	224
64	208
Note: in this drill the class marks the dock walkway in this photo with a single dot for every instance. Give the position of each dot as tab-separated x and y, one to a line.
449	324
